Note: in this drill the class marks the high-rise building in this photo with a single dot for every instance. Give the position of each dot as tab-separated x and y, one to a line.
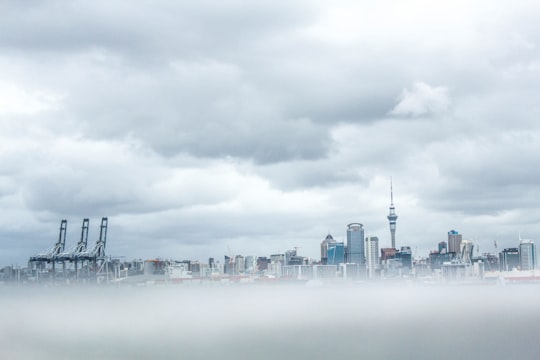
388	253
392	217
509	259
372	255
405	254
467	248
239	264
355	244
527	255
251	264
228	265
443	248
454	242
336	253
262	263
292	258
437	259
275	258
324	248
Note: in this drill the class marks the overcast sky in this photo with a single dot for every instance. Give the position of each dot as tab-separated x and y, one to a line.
257	126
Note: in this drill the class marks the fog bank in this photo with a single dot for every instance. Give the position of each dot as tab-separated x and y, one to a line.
270	322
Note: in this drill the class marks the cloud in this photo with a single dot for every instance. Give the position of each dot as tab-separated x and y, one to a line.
15	100
262	126
423	99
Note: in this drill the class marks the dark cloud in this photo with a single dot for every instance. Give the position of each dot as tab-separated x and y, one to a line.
146	30
487	174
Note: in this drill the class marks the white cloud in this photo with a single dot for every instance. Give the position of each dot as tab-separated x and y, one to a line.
16	100
423	99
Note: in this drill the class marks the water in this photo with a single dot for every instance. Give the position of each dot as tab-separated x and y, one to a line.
271	322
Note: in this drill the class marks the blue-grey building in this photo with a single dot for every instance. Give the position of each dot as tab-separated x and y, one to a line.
527	255
355	244
405	254
324	248
509	259
335	253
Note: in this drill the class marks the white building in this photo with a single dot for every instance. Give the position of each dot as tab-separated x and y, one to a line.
372	255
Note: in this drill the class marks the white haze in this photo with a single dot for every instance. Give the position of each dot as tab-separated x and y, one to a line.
270	322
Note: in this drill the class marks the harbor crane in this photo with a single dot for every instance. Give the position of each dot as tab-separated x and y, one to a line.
76	254
98	251
80	247
51	253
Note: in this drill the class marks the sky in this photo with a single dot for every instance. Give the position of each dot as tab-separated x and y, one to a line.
208	128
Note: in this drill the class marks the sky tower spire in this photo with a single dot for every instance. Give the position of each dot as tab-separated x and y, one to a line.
392	217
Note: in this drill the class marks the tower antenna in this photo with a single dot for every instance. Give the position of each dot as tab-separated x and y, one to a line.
391	192
392	217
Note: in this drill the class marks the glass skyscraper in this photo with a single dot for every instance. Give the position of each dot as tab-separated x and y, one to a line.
509	259
527	255
336	253
355	244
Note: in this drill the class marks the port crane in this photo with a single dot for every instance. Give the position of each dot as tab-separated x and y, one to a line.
51	253
79	248
97	254
78	253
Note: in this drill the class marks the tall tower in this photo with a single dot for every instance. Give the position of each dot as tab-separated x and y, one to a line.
392	217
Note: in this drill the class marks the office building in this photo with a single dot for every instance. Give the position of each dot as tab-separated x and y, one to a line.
277	258
388	253
355	244
405	254
372	255
509	259
239	264
324	248
443	248
228	265
467	248
527	255
336	253
289	255
262	263
437	259
251	264
454	242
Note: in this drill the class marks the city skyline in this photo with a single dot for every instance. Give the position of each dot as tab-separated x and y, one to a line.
359	249
199	127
